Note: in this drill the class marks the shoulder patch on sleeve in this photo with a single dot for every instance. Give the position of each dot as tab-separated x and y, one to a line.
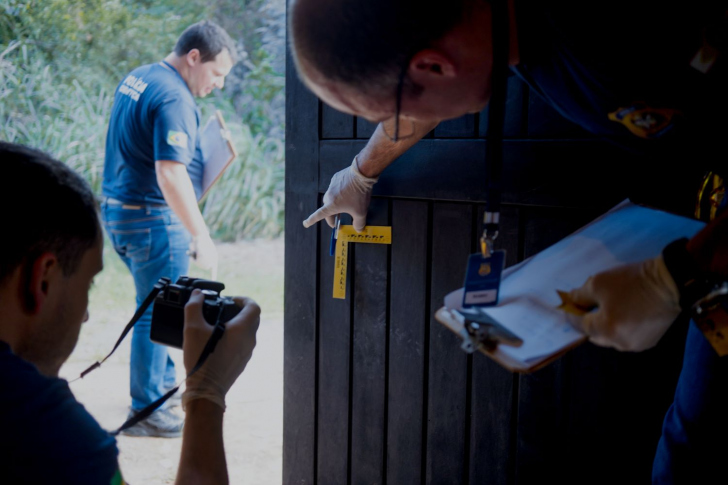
177	138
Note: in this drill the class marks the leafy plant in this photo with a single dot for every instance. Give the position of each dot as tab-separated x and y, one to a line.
61	60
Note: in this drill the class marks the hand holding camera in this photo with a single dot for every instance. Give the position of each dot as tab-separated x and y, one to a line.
213	380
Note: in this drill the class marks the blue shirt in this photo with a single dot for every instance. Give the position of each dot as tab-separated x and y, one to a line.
623	70
154	117
46	436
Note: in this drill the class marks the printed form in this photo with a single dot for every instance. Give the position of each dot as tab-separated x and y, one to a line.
628	233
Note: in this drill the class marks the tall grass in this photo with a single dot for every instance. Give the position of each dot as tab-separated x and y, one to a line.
56	93
249	197
65	120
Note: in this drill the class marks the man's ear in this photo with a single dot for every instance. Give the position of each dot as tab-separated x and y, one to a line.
40	274
193	57
430	66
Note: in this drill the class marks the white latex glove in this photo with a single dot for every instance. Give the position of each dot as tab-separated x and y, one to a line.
349	192
213	380
636	304
203	251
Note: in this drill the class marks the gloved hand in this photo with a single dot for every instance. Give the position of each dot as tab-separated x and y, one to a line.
203	251
636	304
213	380
349	192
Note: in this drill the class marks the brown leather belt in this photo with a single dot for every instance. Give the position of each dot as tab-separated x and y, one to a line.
124	205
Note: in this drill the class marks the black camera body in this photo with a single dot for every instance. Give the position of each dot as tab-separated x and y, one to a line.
168	314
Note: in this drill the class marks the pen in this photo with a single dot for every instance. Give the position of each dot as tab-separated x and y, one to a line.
334	235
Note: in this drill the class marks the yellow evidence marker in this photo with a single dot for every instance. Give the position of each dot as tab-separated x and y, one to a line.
347	234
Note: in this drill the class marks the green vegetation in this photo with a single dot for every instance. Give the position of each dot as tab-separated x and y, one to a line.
61	60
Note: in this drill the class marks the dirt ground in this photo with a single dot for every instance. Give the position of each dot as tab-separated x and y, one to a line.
253	427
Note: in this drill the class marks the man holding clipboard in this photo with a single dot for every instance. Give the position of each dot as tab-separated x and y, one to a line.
155	173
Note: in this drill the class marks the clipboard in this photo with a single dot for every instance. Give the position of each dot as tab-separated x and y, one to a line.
451	320
217	149
531	307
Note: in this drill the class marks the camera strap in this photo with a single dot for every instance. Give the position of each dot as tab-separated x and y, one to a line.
217	334
158	286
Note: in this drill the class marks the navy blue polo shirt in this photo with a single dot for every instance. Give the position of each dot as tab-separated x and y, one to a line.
623	70
154	117
46	436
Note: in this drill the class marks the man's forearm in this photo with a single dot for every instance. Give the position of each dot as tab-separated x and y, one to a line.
381	151
179	194
202	460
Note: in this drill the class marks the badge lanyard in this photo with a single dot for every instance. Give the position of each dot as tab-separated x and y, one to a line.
483	275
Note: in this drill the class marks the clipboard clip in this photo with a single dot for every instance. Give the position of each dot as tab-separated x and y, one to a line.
482	331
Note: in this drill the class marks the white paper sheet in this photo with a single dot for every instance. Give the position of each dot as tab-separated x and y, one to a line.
528	300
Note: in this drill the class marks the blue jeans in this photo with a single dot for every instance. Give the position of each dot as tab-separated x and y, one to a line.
153	243
694	442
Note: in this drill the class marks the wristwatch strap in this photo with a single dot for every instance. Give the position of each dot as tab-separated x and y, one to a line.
692	283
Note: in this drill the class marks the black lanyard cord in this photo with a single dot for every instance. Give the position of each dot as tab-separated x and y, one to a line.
496	118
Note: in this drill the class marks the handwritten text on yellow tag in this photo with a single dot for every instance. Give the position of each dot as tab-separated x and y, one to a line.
347	234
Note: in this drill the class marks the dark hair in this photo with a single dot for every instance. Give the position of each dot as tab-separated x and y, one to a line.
367	43
207	37
47	207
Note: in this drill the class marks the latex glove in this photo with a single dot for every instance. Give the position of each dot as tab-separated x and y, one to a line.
214	379
349	192
636	304
203	251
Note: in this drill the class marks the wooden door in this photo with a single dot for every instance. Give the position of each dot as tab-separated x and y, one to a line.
376	390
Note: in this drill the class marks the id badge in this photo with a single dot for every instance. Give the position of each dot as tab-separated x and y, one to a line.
482	279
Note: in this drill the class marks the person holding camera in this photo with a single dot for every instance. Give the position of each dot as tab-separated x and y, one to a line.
46	271
152	181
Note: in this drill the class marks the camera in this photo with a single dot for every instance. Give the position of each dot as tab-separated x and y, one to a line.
168	314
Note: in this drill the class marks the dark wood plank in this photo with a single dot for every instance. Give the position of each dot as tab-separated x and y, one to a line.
544	396
333	372
452	238
369	398
335	124
546	226
463	127
300	318
299	355
407	329
535	172
364	129
492	435
542	418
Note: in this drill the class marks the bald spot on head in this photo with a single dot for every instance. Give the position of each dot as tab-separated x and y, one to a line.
366	43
